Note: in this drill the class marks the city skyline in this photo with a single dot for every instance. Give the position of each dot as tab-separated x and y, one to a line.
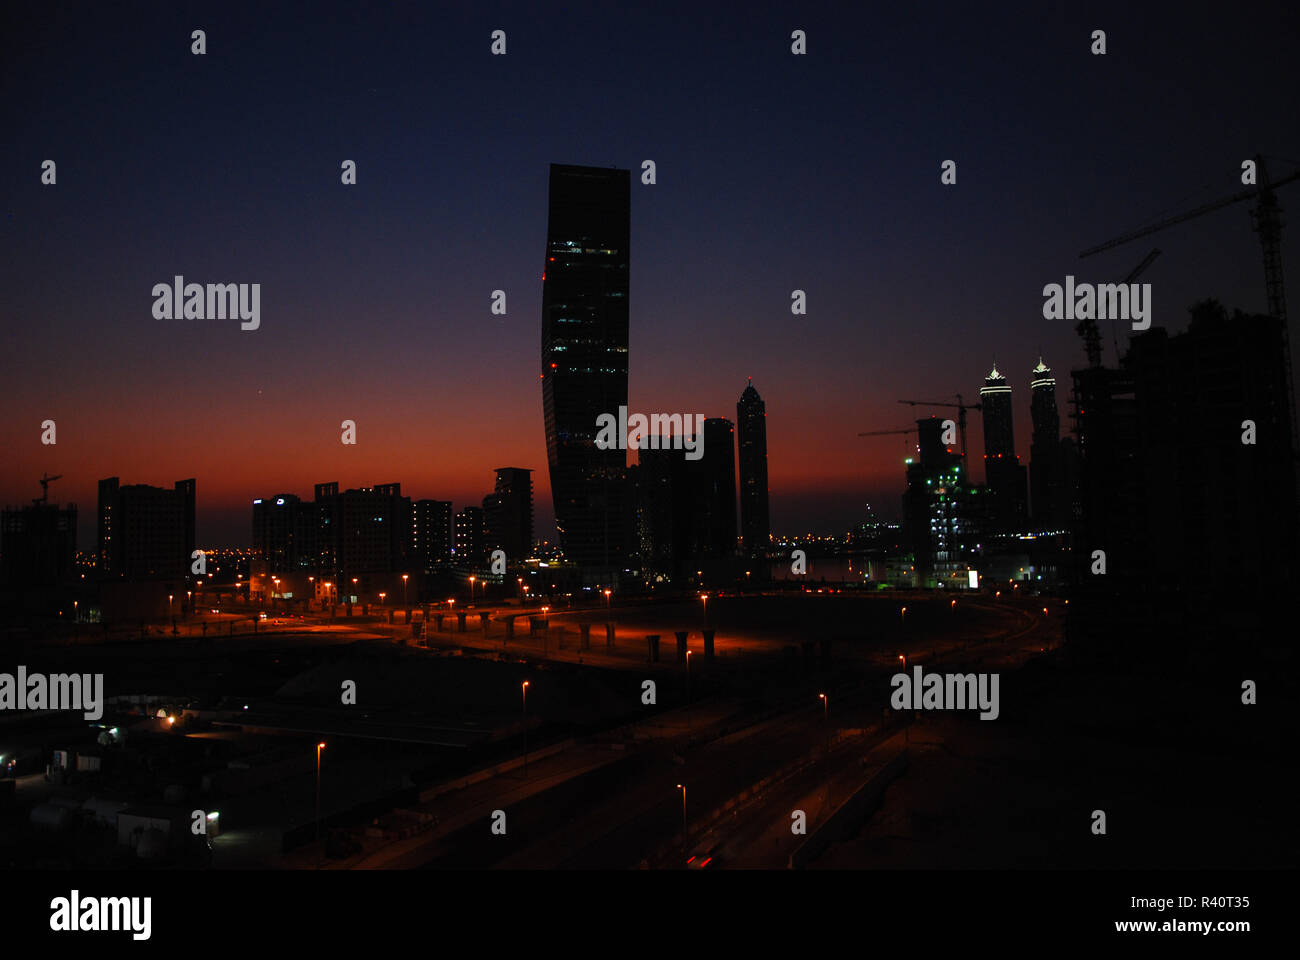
490	441
380	313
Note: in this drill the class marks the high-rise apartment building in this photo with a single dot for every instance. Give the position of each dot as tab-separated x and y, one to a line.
145	531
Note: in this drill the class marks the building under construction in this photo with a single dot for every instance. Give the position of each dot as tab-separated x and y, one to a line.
1186	497
38	553
944	514
1187	491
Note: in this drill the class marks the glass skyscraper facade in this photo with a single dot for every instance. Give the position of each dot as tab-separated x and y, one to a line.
584	361
751	435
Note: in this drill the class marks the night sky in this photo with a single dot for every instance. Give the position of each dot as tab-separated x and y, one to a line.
775	172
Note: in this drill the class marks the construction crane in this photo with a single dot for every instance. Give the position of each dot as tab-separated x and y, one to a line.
885	433
961	413
881	433
46	480
1268	224
1087	328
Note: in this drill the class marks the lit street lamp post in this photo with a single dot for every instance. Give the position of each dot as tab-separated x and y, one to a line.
319	747
471	588
682	788
690	699
405	577
906	726
826	719
524	690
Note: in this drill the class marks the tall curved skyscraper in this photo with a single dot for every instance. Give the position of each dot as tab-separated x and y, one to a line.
584	361
751	434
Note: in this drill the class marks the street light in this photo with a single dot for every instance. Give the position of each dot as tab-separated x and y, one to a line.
682	788
704	597
405	577
381	597
826	718
319	747
607	593
907	729
524	691
690	699
471	588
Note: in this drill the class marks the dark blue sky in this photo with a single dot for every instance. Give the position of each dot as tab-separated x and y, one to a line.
775	172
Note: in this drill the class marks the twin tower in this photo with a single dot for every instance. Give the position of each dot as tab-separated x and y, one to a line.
1011	497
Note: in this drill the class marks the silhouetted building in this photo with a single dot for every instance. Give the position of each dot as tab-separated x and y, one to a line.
285	533
655	482
1048	498
585	362
1193	521
375	527
431	533
325	506
38	545
718	468
751	437
469	535
145	531
943	513
1004	475
685	510
366	530
508	514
